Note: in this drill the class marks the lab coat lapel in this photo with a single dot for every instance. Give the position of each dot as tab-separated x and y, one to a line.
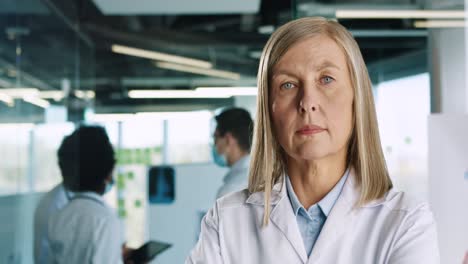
339	220
283	217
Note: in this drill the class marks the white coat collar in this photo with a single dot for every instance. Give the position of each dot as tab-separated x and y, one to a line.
352	193
277	193
341	216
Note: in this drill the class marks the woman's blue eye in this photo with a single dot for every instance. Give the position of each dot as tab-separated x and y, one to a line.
327	79
288	85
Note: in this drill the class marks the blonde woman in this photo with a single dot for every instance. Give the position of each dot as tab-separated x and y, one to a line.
319	190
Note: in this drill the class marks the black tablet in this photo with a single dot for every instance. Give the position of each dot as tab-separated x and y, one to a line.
148	251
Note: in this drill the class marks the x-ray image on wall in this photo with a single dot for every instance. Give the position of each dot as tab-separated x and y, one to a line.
161	185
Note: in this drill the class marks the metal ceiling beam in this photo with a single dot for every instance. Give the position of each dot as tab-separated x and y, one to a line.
156	82
185	82
329	10
446	4
190	44
187	40
385	33
32	80
6	83
24	7
160	105
71	20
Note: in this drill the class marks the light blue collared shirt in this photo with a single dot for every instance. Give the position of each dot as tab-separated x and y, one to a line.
237	178
311	221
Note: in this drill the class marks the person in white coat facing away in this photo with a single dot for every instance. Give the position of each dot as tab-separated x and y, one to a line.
319	190
86	230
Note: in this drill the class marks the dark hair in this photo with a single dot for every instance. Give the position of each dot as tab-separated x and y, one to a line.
238	122
86	159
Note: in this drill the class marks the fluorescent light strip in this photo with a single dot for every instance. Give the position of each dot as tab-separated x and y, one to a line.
399	14
37	101
266	29
47	94
8	100
208	72
440	24
85	94
20	92
200	92
160	56
16	125
166	94
56	95
231	91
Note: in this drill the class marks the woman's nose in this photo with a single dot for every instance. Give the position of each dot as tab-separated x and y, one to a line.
308	101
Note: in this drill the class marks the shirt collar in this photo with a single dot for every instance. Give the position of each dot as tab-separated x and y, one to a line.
326	204
241	163
68	194
91	195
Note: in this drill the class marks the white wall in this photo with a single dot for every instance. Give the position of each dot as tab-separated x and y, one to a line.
448	183
447	68
178	223
16	230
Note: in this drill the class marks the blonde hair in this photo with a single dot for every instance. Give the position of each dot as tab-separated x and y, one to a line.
365	154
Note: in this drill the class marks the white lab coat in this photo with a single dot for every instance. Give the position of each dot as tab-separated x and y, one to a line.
50	203
85	231
394	229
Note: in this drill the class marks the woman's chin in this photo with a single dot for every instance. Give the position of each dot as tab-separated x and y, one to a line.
310	155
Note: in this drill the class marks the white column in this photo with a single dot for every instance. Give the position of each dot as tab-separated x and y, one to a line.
448	127
447	59
466	55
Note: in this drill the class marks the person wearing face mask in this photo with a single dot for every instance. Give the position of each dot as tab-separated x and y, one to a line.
232	141
86	230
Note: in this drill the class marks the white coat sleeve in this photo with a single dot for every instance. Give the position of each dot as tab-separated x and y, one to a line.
416	240
207	250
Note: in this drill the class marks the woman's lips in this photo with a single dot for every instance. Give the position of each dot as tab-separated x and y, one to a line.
309	130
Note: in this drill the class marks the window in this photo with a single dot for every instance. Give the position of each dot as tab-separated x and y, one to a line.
189	137
403	106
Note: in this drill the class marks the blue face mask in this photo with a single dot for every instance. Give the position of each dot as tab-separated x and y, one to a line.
220	160
109	186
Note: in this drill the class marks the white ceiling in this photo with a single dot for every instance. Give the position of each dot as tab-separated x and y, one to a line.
173	7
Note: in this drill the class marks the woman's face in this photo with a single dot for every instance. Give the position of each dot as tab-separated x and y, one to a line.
312	100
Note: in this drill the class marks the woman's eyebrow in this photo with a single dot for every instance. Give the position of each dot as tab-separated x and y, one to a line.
284	72
326	64
276	74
